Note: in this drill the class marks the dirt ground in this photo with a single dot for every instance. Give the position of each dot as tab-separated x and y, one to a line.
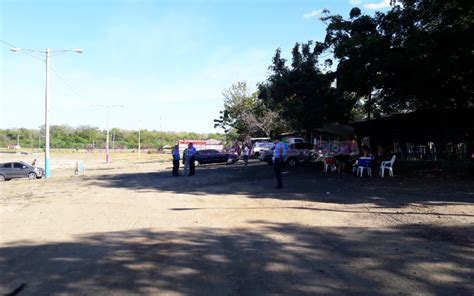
129	228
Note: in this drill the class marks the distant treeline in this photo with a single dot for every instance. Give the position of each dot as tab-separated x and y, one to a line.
88	137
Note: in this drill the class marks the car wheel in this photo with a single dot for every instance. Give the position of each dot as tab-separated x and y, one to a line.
229	161
32	176
291	162
256	154
196	163
2	178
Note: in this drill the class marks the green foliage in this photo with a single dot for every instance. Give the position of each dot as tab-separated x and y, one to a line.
417	55
245	115
303	92
87	137
237	101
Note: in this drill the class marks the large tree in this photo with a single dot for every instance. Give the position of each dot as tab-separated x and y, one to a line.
303	92
359	49
417	55
431	59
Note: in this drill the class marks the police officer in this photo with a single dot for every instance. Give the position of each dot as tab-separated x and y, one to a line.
188	159
279	155
176	157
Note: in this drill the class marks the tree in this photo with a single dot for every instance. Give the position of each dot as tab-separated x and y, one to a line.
245	114
359	49
266	122
417	55
237	101
303	93
431	60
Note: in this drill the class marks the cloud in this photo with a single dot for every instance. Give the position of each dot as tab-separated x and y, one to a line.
379	5
355	2
312	14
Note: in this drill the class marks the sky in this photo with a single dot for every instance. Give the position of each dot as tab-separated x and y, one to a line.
161	65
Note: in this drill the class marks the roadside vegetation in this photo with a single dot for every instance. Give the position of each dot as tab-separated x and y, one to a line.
89	137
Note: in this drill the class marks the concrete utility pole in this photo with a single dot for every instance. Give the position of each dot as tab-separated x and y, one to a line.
47	54
107	107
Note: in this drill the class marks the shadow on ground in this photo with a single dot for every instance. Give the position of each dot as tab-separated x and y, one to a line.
268	259
305	182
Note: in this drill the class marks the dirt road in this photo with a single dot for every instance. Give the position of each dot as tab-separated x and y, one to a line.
132	229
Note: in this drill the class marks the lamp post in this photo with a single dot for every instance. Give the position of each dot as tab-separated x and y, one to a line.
47	54
107	107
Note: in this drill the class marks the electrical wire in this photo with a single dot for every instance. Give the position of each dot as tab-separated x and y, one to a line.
65	82
27	52
31	53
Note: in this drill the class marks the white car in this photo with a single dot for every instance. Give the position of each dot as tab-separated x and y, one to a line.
259	147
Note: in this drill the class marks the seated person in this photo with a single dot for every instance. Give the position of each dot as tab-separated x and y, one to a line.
343	159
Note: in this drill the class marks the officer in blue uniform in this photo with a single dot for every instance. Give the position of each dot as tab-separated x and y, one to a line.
176	157
188	159
191	153
279	155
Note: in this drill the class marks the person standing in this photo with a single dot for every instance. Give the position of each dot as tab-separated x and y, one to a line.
237	149
191	153
186	161
279	155
176	157
246	154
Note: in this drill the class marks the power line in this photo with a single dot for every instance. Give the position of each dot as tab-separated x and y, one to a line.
65	82
31	54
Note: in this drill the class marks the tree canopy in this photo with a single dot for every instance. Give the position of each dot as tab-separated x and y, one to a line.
417	55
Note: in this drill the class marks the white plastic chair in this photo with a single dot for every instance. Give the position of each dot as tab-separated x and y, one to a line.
387	165
354	167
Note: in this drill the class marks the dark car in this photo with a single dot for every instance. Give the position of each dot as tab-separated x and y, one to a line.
214	156
11	170
295	153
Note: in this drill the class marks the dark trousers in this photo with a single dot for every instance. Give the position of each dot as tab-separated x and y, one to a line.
175	167
191	167
278	166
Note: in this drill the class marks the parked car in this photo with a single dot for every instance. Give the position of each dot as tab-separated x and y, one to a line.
213	156
12	170
260	146
295	153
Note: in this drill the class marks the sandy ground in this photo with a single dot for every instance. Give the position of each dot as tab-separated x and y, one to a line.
129	228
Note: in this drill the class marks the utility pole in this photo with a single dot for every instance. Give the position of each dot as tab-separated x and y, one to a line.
107	107
113	141
46	93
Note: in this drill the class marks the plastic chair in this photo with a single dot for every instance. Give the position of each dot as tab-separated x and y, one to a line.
329	162
364	164
354	166
387	165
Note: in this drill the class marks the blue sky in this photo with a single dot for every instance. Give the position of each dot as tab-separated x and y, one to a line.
158	59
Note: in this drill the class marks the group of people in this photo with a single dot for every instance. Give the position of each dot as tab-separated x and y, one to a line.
188	160
347	158
244	151
279	155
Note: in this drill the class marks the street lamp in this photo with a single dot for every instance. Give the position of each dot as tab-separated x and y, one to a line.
46	123
107	107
